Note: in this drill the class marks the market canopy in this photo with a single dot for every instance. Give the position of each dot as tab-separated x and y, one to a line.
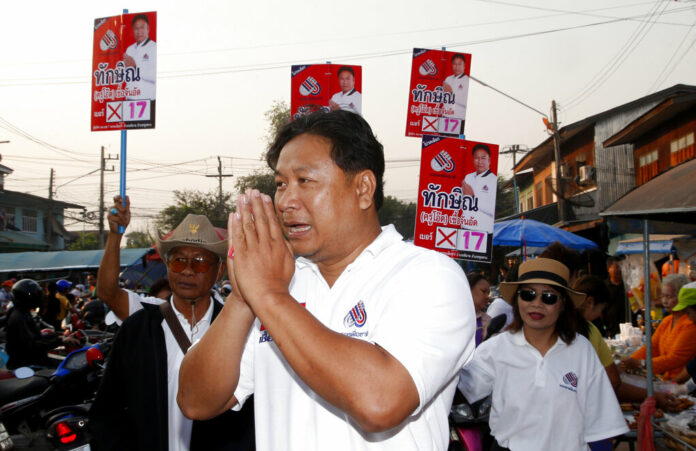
13	241
63	260
528	232
659	244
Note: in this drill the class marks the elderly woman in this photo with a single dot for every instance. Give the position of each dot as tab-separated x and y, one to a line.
549	389
674	341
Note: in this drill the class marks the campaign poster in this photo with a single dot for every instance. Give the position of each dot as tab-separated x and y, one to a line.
456	197
325	87
124	72
438	94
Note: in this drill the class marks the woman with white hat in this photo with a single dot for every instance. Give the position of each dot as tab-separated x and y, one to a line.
549	389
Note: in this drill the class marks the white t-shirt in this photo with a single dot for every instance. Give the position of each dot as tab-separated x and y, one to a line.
460	89
560	401
414	303
145	56
349	101
500	306
485	186
180	427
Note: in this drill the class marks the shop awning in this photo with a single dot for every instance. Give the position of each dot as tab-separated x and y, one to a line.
659	244
63	260
16	241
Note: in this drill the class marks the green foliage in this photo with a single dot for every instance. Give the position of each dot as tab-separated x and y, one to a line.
277	116
504	199
85	242
261	179
196	202
399	213
139	239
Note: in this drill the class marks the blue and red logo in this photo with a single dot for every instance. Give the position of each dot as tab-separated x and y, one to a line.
357	316
571	379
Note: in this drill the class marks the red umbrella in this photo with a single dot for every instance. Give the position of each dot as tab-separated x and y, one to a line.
155	257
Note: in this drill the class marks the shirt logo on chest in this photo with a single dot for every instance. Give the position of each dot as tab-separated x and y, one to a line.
570	381
356	316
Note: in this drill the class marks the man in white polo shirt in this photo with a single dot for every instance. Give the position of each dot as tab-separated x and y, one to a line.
356	344
458	84
482	184
348	98
142	55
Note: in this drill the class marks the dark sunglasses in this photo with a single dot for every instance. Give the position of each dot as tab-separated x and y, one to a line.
528	295
198	264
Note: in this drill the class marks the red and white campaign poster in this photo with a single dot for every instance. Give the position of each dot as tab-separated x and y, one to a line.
438	94
325	87
124	72
456	197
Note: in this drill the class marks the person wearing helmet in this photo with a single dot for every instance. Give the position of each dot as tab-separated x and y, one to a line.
25	343
62	288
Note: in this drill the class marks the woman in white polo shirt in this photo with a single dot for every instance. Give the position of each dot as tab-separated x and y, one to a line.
549	389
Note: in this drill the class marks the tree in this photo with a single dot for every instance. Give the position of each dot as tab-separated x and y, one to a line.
87	241
399	213
504	199
196	202
277	116
139	239
261	179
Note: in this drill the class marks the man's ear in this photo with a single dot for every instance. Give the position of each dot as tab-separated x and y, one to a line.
365	186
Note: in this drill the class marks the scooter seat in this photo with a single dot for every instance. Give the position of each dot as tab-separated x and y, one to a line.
16	389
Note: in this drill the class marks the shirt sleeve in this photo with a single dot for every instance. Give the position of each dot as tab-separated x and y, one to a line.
135	302
602	415
600	346
477	377
428	323
245	386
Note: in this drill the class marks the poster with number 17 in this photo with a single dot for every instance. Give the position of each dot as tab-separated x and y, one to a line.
456	197
124	72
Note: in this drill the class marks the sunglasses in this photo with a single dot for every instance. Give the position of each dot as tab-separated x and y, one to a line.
198	264
528	295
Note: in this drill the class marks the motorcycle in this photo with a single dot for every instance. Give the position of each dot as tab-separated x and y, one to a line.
34	399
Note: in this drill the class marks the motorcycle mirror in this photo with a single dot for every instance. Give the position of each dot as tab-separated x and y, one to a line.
23	372
110	318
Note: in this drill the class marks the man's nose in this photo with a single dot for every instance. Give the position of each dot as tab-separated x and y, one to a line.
286	199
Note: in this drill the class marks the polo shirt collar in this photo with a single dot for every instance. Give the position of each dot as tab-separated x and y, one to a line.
483	174
385	239
518	339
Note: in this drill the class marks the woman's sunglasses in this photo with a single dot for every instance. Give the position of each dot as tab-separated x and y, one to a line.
528	295
198	264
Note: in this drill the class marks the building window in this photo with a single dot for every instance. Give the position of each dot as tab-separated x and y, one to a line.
29	221
538	195
647	166
681	149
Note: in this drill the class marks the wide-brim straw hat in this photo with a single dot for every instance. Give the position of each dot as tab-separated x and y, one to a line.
194	231
546	271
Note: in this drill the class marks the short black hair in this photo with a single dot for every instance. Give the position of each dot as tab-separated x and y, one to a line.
475	277
140	17
593	286
481	147
354	147
345	69
611	260
458	55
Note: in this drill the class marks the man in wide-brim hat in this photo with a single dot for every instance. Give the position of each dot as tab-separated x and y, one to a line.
141	381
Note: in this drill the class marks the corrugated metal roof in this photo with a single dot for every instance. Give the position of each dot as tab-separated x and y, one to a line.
62	260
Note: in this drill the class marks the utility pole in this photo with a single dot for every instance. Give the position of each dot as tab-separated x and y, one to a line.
514	149
50	185
102	168
219	176
557	158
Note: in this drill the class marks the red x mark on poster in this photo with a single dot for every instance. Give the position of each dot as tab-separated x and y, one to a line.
446	235
430	125
114	111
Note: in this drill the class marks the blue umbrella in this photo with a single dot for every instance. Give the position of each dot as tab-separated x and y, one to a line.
528	232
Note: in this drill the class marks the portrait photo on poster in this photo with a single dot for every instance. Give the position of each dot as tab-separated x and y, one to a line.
325	87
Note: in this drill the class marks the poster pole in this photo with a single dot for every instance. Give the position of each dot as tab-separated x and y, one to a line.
122	178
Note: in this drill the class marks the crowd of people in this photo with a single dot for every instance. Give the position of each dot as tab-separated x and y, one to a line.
313	327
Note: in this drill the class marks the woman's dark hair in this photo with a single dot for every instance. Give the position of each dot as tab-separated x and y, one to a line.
566	325
475	277
354	147
158	285
569	257
593	286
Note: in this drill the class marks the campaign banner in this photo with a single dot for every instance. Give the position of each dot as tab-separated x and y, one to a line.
325	87
124	72
438	93
456	197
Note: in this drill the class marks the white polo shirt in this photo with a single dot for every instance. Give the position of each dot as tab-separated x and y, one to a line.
180	427
349	101
560	401
485	186
460	89
413	302
145	56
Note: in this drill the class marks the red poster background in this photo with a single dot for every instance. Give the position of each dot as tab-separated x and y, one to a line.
112	36
445	220
313	85
426	112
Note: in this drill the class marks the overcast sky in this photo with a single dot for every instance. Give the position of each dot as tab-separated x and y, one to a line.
222	64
